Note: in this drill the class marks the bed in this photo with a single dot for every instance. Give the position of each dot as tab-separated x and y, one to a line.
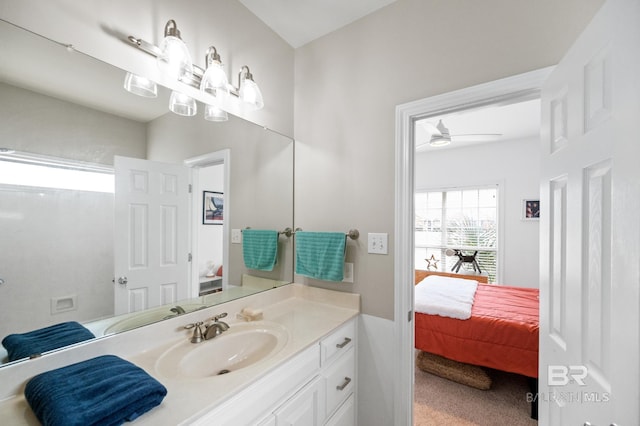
502	332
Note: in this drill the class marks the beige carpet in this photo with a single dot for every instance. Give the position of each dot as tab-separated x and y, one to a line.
441	402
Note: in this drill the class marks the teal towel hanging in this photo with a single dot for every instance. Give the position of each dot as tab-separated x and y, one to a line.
320	255
260	249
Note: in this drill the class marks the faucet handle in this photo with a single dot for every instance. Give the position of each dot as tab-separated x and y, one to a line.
197	331
217	317
221	325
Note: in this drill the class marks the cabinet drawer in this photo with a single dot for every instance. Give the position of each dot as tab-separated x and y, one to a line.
340	380
338	342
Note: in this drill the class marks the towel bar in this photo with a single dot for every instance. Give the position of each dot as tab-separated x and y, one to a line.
288	232
353	233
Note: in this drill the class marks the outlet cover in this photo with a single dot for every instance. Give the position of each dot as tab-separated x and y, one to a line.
348	272
377	243
236	236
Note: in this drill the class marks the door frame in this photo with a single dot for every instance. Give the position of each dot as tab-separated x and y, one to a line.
222	156
518	86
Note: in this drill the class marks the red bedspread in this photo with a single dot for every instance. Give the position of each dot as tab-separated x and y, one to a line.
502	332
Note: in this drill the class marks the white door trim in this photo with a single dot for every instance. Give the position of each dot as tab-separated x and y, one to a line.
519	86
218	157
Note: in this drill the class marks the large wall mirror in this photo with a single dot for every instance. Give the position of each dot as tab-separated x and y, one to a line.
89	251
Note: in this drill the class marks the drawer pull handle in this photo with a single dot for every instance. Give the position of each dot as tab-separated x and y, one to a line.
343	344
347	380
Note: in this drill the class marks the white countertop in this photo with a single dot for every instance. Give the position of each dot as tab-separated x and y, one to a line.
307	313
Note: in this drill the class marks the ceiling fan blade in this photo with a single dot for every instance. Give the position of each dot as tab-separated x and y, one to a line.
476	134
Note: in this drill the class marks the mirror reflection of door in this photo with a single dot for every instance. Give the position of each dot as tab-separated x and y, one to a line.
151	234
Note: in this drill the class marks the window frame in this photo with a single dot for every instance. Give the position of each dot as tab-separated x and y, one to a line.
499	186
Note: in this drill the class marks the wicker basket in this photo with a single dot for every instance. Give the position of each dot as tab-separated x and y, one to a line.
459	372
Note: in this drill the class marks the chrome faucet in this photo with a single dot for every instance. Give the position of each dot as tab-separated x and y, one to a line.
216	328
179	310
197	331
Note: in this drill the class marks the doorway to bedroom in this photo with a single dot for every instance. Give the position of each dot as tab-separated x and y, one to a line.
470	194
475	170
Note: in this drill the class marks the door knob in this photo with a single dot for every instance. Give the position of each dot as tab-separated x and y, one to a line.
123	280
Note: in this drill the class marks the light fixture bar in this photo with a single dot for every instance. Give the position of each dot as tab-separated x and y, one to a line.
198	72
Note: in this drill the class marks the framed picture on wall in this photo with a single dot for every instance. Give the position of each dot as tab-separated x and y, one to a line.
212	208
530	209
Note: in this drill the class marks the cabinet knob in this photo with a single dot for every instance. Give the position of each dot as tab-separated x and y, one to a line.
347	380
343	344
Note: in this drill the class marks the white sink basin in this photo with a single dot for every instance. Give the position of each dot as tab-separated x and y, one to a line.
244	344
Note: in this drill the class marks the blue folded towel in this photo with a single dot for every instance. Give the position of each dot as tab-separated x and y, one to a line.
320	255
260	249
106	390
45	339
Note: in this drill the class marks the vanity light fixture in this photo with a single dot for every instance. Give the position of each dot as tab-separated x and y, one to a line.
140	86
173	59
213	113
249	91
214	81
182	104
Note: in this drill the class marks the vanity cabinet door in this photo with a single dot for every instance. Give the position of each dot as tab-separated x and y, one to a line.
305	408
269	421
345	416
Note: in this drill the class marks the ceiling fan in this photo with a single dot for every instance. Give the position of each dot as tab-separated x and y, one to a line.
441	135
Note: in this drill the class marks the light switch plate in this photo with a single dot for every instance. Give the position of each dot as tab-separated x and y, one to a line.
377	243
236	236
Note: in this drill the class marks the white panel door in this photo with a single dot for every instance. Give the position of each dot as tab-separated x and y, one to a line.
151	234
590	244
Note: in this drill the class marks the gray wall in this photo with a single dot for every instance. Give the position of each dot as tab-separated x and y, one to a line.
349	82
261	177
40	124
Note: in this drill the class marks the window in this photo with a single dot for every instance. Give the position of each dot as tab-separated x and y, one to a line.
462	219
56	174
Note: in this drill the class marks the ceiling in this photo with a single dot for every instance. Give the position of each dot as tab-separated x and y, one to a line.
300	21
513	121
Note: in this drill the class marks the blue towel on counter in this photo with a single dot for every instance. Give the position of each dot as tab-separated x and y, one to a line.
259	249
106	390
320	255
45	339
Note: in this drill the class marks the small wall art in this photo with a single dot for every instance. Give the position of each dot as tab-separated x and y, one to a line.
530	209
212	208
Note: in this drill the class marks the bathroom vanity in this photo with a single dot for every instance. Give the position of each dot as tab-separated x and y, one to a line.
298	363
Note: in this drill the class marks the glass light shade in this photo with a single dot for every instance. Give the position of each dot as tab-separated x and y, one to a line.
182	104
174	59
140	86
215	81
439	140
250	94
213	113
